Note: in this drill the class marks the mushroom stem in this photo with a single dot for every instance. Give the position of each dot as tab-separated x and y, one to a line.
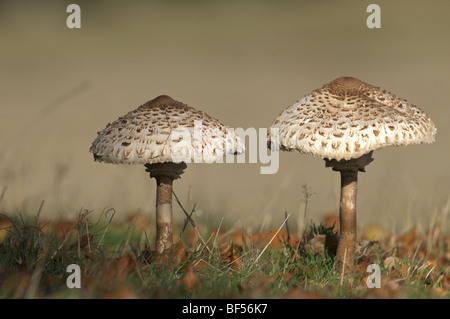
165	174
347	210
347	218
164	228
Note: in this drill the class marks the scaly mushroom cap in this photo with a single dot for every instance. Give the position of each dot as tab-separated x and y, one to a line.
164	130
348	118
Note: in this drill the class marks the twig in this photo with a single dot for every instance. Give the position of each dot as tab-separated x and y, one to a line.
187	219
3	192
192	222
187	215
287	229
58	101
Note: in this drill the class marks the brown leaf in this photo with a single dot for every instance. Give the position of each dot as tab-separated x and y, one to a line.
445	280
391	263
85	245
62	228
235	262
285	276
228	254
241	239
279	239
191	238
119	270
141	222
190	278
225	251
389	288
367	249
201	264
299	293
361	267
121	292
404	271
409	237
331	219
17	284
317	245
173	255
257	285
439	292
5	227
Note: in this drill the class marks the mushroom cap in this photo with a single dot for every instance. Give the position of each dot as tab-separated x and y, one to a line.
164	130
348	118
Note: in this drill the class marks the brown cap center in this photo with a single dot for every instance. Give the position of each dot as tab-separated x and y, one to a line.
346	84
162	99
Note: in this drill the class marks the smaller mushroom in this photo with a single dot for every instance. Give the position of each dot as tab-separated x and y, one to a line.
344	122
164	135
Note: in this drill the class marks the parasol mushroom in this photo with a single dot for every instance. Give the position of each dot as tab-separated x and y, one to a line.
344	122
164	135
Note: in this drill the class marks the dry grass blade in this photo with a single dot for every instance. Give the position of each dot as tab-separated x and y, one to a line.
107	225
129	232
11	222
343	267
39	211
267	245
217	234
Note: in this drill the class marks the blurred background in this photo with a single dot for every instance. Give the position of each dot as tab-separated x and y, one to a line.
242	62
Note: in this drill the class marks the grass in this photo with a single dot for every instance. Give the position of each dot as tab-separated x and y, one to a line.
116	261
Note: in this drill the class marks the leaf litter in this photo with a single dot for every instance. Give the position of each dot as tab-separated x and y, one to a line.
221	263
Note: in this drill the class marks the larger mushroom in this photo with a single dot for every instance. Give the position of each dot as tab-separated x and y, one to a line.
344	122
164	135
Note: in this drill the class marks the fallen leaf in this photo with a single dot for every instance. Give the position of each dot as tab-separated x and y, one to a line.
285	276
121	292
391	262
241	239
173	255
191	238
317	245
228	254
235	262
367	249
439	292
299	293
332	219
276	239
5	227
409	237
123	266
17	284
141	222
201	264
361	267
190	278
389	288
